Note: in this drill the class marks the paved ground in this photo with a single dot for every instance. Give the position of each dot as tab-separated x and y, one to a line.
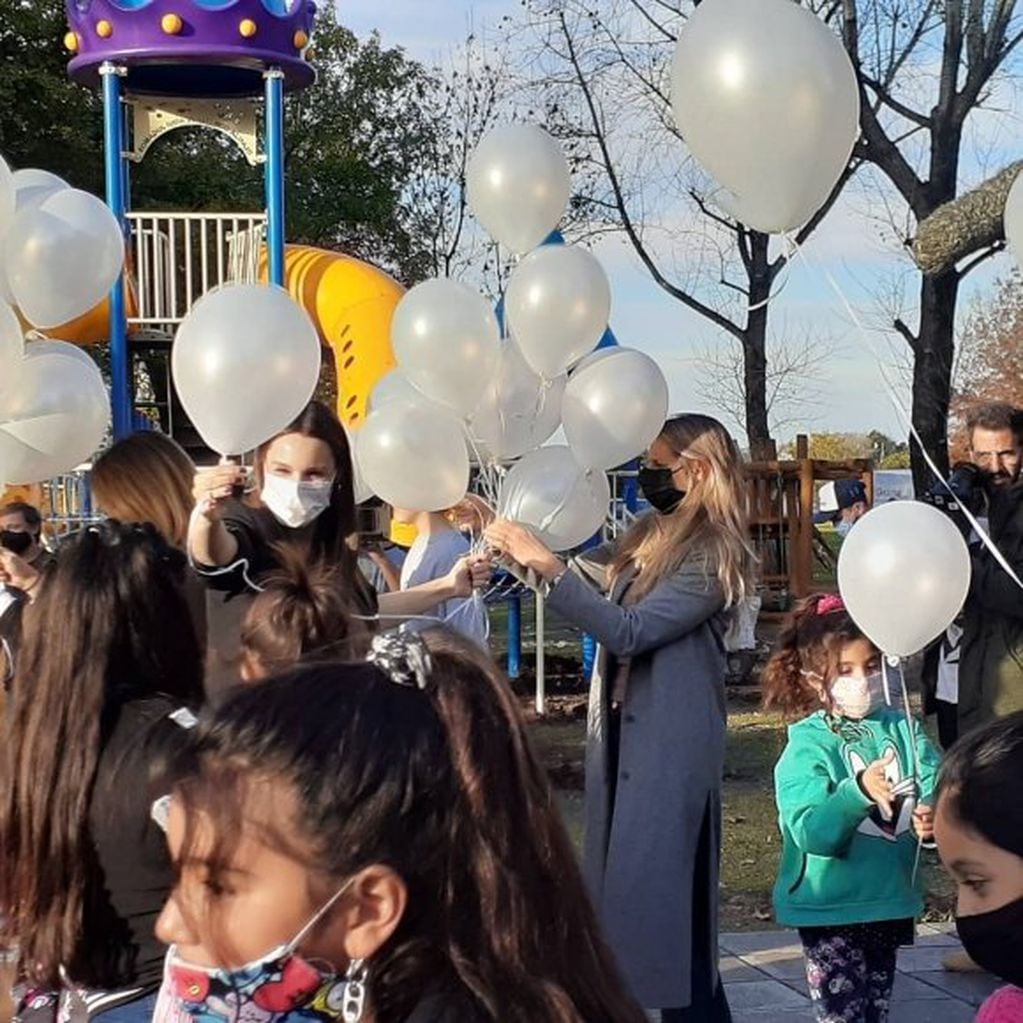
763	972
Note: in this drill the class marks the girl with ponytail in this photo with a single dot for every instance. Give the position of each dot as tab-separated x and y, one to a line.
853	785
376	842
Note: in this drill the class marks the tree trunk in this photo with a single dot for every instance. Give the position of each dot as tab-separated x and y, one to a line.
754	350
932	373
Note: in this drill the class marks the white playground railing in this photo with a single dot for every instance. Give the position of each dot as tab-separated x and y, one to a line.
177	257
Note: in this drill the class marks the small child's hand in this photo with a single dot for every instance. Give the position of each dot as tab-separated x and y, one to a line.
876	785
923	823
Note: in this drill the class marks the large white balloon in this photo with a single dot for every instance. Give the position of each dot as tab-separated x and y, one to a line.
904	572
518	185
1013	219
55	419
32	187
766	98
394	386
414	456
246	361
558	303
615	404
519	411
556	497
446	340
62	257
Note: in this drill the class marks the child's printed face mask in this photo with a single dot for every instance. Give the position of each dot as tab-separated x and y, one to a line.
267	989
857	697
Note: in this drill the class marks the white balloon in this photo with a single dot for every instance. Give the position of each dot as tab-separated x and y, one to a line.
557	304
12	345
394	386
55	420
1013	219
766	98
556	497
246	361
47	346
518	185
32	187
615	404
62	257
904	572
414	456
519	411
446	340
360	488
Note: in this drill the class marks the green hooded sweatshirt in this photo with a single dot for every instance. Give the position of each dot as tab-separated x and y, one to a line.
841	862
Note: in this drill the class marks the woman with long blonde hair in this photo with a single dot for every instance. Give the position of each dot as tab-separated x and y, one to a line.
656	736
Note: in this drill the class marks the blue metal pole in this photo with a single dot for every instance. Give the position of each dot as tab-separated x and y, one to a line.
514	636
113	143
274	173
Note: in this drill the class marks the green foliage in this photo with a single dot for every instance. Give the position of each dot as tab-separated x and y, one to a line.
353	140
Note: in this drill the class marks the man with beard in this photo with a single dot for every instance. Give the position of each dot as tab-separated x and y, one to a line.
991	658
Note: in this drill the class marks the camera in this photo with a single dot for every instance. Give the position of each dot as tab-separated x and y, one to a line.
373	522
967	491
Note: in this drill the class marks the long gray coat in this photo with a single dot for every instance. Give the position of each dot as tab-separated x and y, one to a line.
639	859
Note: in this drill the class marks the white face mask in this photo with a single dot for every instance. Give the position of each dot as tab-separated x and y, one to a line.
857	698
293	503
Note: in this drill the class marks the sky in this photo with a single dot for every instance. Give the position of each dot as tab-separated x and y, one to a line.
833	291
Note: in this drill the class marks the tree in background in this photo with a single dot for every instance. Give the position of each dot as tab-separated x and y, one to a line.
925	67
600	74
354	140
990	363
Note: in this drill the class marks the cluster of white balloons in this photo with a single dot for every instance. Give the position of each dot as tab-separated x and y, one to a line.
767	101
462	390
61	251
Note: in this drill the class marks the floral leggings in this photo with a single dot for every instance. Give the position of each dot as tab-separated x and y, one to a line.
851	970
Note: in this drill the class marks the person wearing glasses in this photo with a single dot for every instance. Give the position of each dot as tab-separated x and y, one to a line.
655	748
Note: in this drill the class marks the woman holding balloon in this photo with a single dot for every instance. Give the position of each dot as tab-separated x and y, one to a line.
655	748
304	481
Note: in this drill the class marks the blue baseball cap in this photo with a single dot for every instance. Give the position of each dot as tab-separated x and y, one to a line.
835	496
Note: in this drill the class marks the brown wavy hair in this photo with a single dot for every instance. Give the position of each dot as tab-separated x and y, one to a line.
301	612
110	625
809	647
710	522
146	477
441	785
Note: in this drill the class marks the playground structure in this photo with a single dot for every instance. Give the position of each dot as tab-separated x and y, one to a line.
163	65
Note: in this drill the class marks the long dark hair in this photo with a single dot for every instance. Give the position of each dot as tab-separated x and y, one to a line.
334	535
110	625
980	778
442	786
809	646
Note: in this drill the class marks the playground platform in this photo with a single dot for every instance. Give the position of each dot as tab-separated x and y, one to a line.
763	974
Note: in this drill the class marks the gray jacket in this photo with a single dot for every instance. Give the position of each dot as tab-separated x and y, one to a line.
640	853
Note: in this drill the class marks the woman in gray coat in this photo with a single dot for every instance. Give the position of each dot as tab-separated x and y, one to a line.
656	729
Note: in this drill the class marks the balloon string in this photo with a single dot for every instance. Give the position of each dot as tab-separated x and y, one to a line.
546	521
906	419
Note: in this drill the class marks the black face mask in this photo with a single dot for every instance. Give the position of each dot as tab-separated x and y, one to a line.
658	487
16	543
995	940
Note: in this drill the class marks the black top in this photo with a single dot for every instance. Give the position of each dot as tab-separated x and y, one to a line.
120	949
229	590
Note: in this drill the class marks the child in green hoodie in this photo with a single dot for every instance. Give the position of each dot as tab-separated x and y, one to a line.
854	788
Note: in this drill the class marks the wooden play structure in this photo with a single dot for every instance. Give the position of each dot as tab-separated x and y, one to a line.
795	557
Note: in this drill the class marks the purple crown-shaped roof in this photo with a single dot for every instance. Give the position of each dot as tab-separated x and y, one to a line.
209	48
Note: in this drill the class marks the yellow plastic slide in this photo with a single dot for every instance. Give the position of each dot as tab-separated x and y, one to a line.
351	304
